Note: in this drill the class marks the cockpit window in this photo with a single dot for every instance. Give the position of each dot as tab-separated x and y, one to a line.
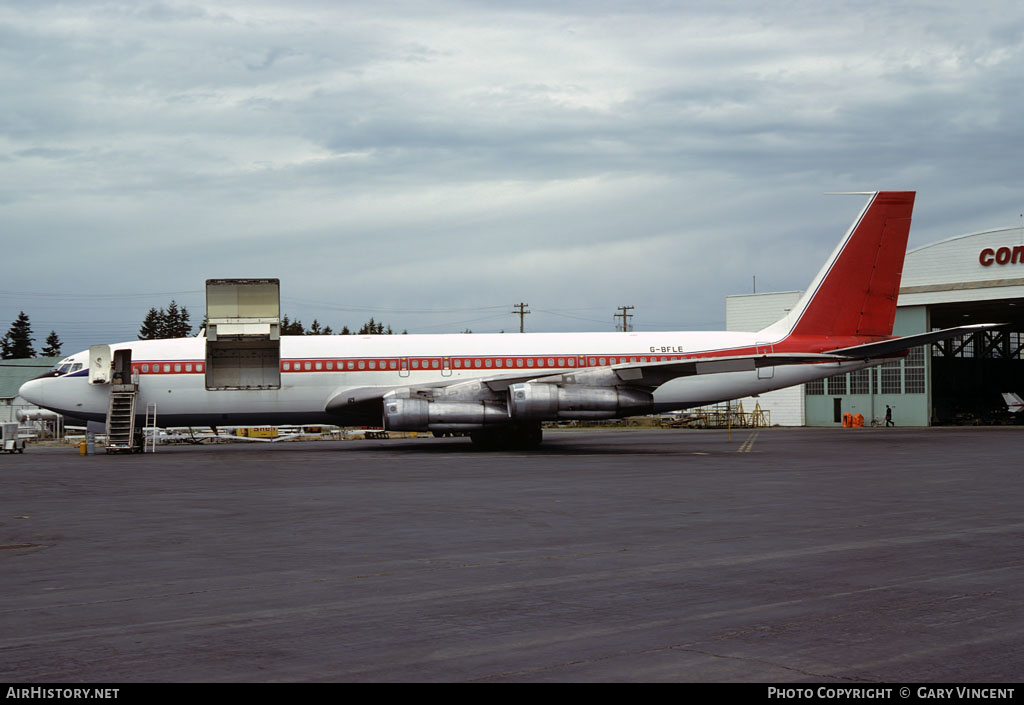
76	367
64	369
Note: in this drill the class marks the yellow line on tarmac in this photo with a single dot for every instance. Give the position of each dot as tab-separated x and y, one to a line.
748	443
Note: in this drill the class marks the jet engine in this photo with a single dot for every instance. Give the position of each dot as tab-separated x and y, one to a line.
538	401
411	414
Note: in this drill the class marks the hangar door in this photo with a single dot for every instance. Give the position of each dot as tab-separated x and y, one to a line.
970	374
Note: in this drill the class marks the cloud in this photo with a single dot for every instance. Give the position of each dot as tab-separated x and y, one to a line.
577	156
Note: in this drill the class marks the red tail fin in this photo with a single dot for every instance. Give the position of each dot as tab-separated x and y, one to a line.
855	293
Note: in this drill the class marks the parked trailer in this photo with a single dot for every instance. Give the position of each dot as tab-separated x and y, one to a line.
9	441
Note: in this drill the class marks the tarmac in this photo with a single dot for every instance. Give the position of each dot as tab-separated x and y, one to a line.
771	556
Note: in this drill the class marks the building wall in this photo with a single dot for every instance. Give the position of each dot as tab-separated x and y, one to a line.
752	312
901	384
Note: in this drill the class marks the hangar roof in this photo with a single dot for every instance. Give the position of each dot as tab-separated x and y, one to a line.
978	266
14	373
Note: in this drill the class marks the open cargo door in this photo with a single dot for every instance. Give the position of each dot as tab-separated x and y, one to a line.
243	334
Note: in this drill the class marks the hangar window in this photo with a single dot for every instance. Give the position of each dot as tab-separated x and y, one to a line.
860	382
891	377
914	371
815	388
837	384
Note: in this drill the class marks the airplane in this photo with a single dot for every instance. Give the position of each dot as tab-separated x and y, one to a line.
1013	402
500	387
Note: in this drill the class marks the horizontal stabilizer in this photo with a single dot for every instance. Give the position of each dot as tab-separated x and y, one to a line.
897	345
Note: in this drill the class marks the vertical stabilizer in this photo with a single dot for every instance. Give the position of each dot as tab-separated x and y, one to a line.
855	293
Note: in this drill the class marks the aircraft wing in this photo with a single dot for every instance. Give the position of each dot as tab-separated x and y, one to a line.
655	374
890	347
367	401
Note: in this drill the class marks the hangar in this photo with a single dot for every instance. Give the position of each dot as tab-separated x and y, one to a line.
972	278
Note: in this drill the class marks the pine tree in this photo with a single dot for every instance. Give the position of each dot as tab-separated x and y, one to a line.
53	345
153	325
17	343
290	327
176	322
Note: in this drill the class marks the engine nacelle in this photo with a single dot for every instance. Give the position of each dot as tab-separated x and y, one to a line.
410	414
539	401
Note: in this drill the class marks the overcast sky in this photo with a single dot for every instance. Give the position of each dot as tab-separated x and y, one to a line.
433	163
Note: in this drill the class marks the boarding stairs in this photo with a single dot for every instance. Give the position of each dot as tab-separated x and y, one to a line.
121	419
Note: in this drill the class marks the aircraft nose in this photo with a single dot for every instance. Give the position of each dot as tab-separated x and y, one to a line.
32	391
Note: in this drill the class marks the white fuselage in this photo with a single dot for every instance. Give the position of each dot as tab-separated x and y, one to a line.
171	374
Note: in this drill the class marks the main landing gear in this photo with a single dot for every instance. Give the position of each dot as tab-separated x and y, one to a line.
515	437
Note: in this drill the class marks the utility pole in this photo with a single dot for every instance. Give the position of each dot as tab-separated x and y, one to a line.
625	327
521	312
